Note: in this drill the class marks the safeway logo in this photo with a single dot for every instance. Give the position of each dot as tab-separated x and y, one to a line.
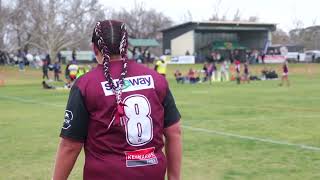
130	84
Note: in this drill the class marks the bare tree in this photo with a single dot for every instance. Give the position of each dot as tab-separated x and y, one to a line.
142	22
49	26
314	21
280	37
216	11
11	22
187	17
308	37
253	19
297	23
237	15
61	24
3	21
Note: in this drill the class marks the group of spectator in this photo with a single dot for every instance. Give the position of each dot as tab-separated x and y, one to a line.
209	73
253	56
142	56
23	58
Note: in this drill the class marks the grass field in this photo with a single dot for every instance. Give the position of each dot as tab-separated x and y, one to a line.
252	131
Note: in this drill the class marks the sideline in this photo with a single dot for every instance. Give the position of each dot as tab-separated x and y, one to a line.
30	101
191	128
249	138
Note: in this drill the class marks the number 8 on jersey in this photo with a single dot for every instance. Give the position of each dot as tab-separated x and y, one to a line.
139	130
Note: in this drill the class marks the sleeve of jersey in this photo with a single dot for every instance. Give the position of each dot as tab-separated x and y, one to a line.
76	117
171	112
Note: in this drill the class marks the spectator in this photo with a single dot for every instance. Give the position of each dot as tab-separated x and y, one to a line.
161	67
59	56
73	69
48	59
30	60
67	73
2	58
47	86
81	71
224	69
313	57
149	60
20	57
45	69
192	76
213	71
179	77
37	61
74	56
57	70
206	72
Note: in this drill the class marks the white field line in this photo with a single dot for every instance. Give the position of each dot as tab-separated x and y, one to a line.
23	100
220	133
208	131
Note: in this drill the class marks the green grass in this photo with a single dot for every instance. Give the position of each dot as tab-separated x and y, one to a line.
30	127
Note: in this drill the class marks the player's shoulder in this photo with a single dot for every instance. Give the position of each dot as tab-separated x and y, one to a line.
145	70
159	80
88	77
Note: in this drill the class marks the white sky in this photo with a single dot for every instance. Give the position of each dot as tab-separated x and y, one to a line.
282	12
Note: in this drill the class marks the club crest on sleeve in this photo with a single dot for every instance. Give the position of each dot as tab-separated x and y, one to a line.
68	117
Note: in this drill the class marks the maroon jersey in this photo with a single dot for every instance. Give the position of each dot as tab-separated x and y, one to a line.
246	69
132	147
285	68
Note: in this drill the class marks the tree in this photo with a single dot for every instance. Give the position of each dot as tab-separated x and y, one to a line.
8	24
187	17
48	25
217	15
280	37
253	19
308	37
237	15
142	22
60	24
216	11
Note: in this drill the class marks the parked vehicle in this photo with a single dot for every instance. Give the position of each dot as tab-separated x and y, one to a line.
296	57
313	56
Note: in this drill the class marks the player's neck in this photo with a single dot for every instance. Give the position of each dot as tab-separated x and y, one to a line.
115	58
112	58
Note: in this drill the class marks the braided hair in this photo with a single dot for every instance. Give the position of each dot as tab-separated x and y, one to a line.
111	38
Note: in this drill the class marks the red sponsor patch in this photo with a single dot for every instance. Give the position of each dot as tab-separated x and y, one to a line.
141	157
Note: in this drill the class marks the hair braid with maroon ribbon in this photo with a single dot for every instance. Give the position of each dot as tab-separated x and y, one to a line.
123	46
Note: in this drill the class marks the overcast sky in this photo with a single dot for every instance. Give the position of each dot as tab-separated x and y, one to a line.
282	12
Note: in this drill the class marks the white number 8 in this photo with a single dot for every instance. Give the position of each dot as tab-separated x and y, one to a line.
139	130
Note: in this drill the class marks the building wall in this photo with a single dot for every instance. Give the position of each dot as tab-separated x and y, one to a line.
180	45
174	33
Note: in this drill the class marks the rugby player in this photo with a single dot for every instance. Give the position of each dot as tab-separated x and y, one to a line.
246	72
285	73
237	67
123	115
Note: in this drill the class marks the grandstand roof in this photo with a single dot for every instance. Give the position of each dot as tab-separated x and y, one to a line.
143	42
225	24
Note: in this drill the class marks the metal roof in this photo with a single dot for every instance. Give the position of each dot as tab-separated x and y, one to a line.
143	42
220	24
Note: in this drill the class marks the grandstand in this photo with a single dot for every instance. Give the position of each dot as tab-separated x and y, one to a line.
203	37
